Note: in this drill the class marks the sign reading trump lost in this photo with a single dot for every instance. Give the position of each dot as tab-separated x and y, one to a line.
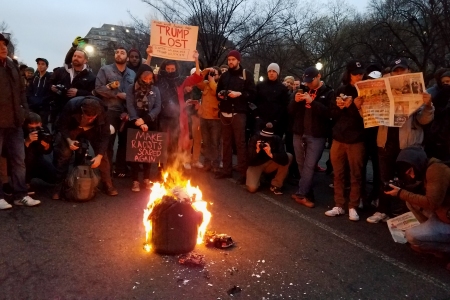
173	41
146	147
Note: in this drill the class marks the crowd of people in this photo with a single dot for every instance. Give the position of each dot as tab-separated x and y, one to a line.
276	127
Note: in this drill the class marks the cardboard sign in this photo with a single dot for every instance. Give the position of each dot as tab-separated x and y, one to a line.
146	147
173	41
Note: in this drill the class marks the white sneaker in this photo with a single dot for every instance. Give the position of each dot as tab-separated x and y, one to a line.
377	217
4	204
187	166
198	165
135	187
335	211
353	215
27	201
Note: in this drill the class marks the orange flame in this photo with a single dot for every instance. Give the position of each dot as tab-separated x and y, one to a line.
168	188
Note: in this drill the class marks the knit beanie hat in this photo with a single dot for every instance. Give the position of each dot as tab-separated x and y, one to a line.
235	54
268	130
275	67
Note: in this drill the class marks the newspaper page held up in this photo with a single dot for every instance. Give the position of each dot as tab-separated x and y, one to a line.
398	225
391	100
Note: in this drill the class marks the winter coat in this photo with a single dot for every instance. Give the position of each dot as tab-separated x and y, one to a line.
38	92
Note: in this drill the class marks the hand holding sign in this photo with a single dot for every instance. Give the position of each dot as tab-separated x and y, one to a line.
149	50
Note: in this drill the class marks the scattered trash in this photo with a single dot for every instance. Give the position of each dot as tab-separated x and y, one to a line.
220	241
192	260
234	290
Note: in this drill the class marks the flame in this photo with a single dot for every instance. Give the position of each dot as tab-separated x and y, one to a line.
168	187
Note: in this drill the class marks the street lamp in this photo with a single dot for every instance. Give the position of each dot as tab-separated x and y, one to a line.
89	49
261	78
319	66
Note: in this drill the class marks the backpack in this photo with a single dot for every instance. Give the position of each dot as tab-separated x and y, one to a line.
81	184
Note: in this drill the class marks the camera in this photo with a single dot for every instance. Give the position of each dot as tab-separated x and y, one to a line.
395	182
212	73
262	144
61	89
44	136
81	154
224	94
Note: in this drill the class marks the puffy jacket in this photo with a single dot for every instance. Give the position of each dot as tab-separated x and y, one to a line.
209	107
234	80
108	74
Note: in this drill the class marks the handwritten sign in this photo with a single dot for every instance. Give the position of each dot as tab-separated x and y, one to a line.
146	147
173	41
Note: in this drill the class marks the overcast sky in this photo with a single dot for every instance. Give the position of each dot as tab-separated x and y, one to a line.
46	28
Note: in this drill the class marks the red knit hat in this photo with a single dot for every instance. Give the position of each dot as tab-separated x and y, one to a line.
235	54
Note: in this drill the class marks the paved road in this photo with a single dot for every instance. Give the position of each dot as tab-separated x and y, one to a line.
94	250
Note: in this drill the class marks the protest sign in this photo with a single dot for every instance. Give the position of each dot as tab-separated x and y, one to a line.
173	41
146	147
390	101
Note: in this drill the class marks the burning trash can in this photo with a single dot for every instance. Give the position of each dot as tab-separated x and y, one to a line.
176	217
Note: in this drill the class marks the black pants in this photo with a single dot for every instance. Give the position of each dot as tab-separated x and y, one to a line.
38	166
233	129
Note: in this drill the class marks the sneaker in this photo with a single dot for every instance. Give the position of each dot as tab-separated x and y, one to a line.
335	211
198	165
111	191
148	184
135	187
187	166
302	200
276	190
27	201
4	204
377	217
353	215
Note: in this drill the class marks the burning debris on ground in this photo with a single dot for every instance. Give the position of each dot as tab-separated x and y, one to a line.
220	241
192	260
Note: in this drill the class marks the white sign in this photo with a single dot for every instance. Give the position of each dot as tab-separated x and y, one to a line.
173	41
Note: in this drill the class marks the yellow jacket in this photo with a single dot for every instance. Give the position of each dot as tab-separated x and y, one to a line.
209	107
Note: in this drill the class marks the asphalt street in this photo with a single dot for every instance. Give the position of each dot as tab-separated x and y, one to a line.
94	250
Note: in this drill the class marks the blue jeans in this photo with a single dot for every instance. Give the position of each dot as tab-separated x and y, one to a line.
211	133
12	140
308	151
433	234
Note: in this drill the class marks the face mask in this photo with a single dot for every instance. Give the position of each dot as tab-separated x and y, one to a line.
446	87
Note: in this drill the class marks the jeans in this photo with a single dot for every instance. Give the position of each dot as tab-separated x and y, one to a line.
62	155
38	166
121	165
254	174
433	234
211	133
340	153
308	151
233	129
12	140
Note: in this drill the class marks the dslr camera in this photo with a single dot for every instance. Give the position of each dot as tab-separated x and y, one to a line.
212	73
81	154
44	136
61	89
224	94
262	144
395	182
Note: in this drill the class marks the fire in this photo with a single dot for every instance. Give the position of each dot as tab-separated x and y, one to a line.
174	186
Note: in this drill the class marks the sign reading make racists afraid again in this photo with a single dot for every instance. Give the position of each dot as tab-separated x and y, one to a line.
173	41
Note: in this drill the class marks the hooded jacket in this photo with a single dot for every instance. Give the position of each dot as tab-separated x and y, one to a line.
38	92
129	65
69	123
436	177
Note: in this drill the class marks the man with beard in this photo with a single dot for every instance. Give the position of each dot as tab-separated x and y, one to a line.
425	187
72	80
173	118
111	83
235	90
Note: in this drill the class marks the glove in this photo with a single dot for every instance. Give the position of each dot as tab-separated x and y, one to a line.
76	41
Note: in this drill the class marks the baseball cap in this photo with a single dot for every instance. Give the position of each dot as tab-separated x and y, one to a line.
42	59
355	67
3	38
399	63
309	74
